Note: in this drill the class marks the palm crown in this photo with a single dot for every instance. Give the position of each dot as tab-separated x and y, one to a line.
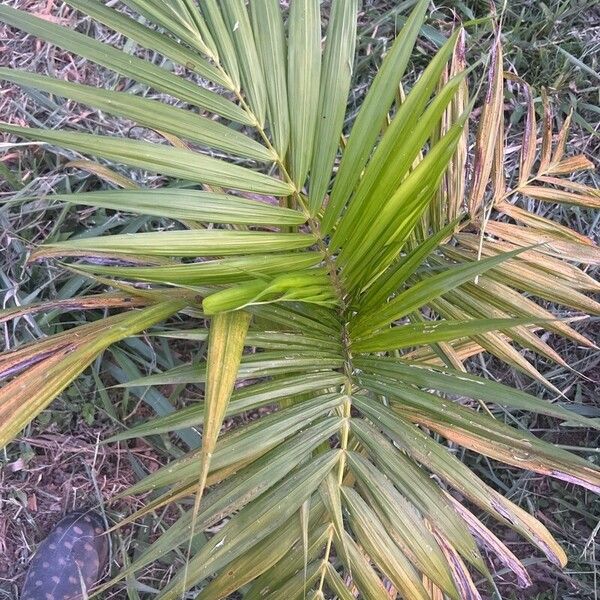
362	290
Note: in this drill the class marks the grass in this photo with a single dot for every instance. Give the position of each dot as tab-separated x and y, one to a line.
58	464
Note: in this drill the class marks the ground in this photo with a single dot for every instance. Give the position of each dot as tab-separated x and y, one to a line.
60	463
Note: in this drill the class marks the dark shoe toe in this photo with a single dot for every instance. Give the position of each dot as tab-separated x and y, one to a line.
69	561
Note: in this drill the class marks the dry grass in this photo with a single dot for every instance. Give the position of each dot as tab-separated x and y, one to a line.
52	474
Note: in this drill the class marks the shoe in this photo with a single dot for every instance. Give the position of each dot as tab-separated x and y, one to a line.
70	561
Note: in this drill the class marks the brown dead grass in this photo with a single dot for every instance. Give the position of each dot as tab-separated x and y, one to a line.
53	474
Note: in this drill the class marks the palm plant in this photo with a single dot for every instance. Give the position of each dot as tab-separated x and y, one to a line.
351	303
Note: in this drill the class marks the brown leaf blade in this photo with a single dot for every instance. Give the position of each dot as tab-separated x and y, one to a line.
29	393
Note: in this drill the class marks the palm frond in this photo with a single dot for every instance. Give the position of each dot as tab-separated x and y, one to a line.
342	284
